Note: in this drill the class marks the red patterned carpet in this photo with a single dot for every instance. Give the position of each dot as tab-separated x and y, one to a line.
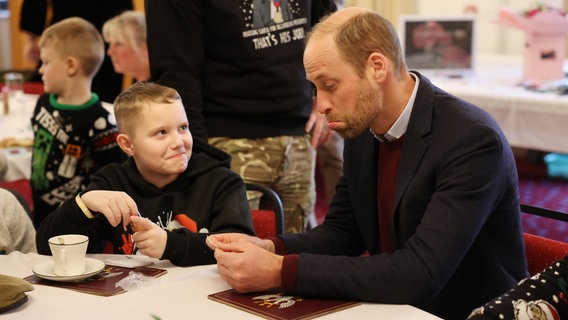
536	188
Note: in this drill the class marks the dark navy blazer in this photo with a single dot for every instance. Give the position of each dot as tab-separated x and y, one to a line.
456	221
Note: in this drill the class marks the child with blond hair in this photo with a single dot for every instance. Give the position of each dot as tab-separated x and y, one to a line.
74	135
174	191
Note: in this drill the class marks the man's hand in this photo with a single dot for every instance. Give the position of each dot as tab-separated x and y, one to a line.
31	48
149	237
116	206
317	125
247	267
214	240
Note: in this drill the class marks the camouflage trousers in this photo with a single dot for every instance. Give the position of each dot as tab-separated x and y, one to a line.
285	164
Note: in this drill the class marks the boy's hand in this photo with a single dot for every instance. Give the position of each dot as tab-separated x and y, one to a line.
149	237
138	225
116	206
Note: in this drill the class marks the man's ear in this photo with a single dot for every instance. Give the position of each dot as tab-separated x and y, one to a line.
379	66
125	144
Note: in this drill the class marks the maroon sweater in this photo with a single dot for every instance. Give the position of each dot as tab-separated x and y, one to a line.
389	158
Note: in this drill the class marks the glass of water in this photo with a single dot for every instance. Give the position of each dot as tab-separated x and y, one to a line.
14	90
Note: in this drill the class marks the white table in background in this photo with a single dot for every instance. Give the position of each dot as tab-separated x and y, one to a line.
179	294
529	119
17	125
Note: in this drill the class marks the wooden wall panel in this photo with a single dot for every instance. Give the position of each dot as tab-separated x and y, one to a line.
17	37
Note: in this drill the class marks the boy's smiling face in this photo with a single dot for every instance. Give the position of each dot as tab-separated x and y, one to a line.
160	142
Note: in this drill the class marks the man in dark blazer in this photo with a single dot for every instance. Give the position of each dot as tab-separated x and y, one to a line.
427	212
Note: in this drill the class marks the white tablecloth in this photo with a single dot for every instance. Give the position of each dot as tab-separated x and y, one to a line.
16	125
529	119
18	163
179	294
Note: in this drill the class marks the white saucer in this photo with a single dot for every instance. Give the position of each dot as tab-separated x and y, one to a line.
45	270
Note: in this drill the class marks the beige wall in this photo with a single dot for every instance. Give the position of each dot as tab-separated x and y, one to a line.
5	53
501	40
388	8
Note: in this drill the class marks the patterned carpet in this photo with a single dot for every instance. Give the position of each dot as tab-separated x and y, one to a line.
537	188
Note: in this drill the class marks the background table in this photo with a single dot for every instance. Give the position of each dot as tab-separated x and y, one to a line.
17	125
179	294
529	119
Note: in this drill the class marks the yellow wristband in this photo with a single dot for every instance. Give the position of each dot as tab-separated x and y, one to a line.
83	207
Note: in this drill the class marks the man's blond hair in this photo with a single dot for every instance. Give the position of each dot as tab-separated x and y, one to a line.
130	103
78	38
359	36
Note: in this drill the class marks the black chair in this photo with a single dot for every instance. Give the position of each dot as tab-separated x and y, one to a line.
267	223
544	212
541	251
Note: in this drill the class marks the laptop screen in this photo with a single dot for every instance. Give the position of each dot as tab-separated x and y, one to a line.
439	45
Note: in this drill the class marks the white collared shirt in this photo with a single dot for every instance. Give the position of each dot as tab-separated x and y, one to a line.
398	129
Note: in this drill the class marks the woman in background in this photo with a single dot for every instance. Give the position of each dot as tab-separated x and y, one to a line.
126	36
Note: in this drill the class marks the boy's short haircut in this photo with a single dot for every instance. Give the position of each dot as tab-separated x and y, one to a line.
78	38
129	28
129	104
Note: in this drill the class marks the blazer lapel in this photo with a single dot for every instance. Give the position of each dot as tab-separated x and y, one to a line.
368	176
414	146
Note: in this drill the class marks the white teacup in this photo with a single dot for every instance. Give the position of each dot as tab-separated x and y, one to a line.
68	252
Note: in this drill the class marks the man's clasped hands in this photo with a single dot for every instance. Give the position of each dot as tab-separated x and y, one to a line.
247	263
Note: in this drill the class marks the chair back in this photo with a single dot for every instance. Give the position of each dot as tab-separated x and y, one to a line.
542	252
267	222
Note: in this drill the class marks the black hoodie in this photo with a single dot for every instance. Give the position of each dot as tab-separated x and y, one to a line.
207	192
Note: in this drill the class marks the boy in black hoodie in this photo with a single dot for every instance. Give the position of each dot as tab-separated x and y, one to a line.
182	190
